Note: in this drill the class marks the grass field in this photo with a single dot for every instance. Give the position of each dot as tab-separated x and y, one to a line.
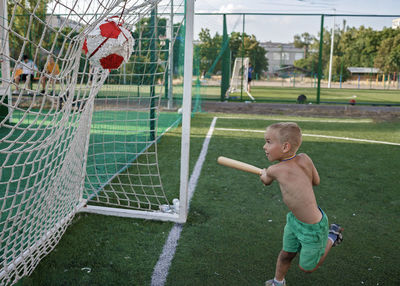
235	225
267	94
277	94
290	94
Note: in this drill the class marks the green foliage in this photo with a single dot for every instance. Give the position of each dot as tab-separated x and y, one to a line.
240	45
243	45
144	34
209	49
388	55
310	63
337	69
304	41
24	26
353	47
358	46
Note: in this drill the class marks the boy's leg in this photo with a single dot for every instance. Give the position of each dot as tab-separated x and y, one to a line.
283	264
335	237
322	259
291	245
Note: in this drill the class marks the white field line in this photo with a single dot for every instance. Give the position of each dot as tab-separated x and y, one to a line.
160	271
317	135
300	120
252	98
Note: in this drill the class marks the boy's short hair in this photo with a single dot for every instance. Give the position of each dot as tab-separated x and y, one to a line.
288	132
25	57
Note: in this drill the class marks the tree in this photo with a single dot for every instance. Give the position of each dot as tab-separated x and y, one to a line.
144	32
209	49
311	43
240	45
388	55
21	28
304	41
339	70
359	46
251	48
354	47
141	63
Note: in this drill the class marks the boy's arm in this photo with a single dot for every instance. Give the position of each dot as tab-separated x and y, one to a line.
267	176
315	175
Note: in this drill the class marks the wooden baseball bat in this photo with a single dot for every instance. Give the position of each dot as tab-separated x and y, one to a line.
238	165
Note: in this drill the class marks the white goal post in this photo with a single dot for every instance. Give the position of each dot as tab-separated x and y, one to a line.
239	79
79	138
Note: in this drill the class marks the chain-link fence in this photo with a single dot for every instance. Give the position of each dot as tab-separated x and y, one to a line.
328	58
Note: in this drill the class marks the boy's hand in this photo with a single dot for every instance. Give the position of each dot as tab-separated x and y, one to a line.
266	177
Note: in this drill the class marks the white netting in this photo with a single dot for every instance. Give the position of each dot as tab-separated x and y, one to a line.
239	78
50	111
126	111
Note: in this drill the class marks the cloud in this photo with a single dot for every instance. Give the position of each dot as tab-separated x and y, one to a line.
231	8
221	6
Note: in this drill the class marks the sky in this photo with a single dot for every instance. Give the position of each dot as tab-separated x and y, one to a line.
283	28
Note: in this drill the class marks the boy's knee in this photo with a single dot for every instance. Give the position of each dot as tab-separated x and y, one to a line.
287	256
310	259
309	271
309	266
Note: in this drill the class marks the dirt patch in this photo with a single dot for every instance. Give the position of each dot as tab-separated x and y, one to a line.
350	111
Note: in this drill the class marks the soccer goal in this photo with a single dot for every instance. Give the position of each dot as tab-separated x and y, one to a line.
239	78
78	137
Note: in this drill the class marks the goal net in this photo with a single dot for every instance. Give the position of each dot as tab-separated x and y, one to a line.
77	137
239	78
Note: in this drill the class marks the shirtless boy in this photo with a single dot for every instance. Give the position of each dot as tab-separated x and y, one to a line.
306	231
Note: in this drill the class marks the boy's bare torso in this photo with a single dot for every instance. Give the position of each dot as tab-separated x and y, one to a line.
296	178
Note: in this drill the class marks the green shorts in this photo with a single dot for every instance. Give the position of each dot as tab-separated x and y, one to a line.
307	239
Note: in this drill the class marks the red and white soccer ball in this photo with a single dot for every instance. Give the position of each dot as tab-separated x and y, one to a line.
109	44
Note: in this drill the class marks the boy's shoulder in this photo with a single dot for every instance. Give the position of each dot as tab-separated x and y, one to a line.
304	156
304	160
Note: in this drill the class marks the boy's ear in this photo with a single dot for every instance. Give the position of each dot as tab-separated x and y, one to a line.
286	147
